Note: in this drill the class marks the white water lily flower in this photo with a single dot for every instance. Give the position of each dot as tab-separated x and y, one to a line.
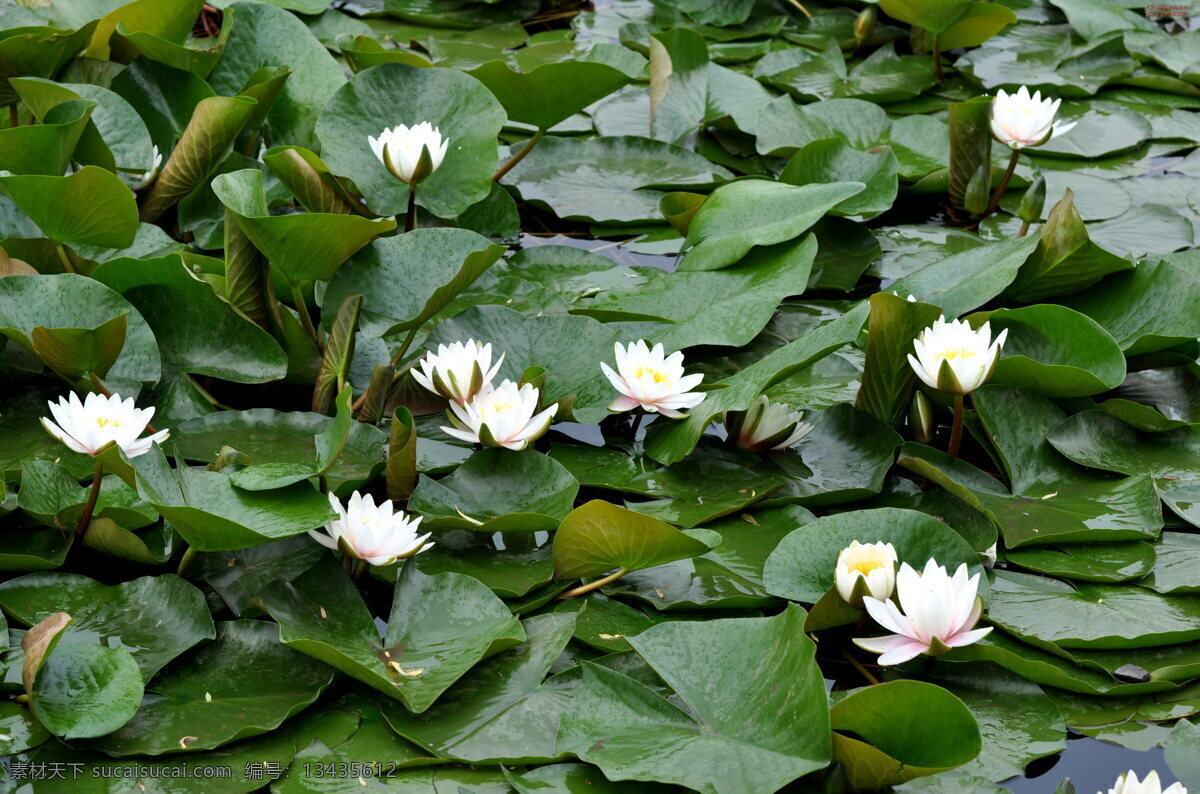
156	161
651	380
766	426
872	564
90	425
458	372
502	416
399	148
1128	783
1020	120
939	613
954	358
370	532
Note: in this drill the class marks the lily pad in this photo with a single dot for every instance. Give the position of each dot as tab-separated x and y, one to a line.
155	617
497	490
723	742
608	179
802	566
223	692
458	105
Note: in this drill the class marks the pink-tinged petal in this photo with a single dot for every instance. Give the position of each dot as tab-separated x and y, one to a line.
670	413
885	614
677	401
616	380
515	446
623	403
893	649
323	539
462	435
967	637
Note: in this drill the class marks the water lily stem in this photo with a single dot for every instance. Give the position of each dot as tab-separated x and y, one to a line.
637	423
305	317
359	567
410	216
1008	172
596	585
857	665
797	4
64	258
395	362
519	156
14	118
93	497
957	427
937	59
185	562
1024	229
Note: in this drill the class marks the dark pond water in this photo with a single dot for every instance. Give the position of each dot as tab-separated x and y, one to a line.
1093	766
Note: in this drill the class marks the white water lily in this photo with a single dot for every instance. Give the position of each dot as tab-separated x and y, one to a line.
156	161
89	426
502	416
459	371
954	358
1128	783
651	380
374	533
872	564
940	612
1020	120
766	426
400	149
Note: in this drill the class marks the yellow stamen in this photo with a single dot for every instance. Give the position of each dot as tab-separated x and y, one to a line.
104	421
656	375
956	353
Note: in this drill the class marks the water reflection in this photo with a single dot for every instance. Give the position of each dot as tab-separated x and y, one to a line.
1092	765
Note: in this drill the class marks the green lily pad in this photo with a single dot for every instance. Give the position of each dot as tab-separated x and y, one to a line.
465	112
1104	442
929	730
1151	308
1055	351
213	514
156	617
833	160
267	36
264	435
70	301
727	576
1089	615
599	536
1089	562
552	92
225	691
498	491
802	566
607	179
82	690
1175	564
111	223
501	710
749	213
407	279
723	742
1066	260
1018	722
303	246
